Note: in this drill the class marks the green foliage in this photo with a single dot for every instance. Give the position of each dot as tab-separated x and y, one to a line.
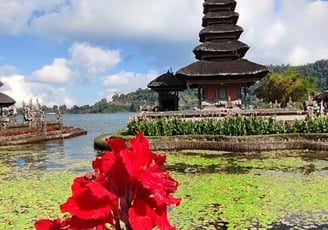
281	87
319	70
234	126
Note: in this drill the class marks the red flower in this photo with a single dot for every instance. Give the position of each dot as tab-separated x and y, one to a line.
145	213
90	202
110	169
129	186
57	224
139	157
146	166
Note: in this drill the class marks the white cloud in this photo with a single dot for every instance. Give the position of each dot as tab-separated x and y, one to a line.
58	96
92	60
294	34
298	55
124	82
58	72
121	19
273	28
22	90
16	87
86	61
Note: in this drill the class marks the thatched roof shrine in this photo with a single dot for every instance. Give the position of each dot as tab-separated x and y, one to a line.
6	101
167	82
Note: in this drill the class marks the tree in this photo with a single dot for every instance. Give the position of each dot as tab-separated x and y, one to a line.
287	85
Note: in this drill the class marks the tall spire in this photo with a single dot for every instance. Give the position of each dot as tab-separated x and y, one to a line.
221	64
220	34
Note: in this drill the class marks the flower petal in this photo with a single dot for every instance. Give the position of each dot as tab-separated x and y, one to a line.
46	224
91	201
161	184
145	214
139	156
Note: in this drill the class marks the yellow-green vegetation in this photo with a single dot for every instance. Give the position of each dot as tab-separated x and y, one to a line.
27	196
239	191
251	193
289	84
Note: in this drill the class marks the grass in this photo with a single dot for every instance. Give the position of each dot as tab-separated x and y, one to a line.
242	193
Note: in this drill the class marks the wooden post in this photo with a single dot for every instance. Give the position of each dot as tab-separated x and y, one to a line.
199	98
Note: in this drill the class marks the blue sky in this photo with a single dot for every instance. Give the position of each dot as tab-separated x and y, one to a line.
76	52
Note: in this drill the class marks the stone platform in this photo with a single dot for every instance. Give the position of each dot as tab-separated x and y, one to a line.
30	138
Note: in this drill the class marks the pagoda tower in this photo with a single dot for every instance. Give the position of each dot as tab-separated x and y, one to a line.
221	74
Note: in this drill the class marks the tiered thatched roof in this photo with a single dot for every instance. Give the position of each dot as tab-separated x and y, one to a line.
221	54
228	70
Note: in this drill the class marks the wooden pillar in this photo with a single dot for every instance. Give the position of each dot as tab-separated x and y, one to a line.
176	102
245	96
199	98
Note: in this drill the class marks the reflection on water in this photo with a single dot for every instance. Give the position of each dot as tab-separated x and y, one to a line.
59	153
38	156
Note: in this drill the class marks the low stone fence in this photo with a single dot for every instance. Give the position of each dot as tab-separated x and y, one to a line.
242	144
318	142
17	126
55	124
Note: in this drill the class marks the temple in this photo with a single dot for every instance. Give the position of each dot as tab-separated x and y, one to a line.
221	73
167	86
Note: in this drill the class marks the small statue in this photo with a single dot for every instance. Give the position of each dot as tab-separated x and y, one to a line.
59	116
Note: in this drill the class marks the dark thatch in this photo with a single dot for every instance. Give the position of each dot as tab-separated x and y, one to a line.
223	31
6	101
167	82
228	17
234	48
222	4
218	2
240	68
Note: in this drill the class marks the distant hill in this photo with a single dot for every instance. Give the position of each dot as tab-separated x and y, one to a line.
318	69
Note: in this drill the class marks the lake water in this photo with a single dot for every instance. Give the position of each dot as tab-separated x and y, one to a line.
61	153
58	153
